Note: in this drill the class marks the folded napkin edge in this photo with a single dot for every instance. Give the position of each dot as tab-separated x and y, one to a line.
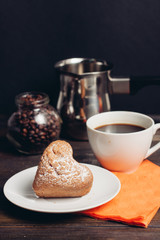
139	221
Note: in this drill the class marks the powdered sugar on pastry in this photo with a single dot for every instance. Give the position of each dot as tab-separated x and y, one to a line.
59	174
64	170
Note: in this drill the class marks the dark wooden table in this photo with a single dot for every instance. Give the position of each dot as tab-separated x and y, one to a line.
18	223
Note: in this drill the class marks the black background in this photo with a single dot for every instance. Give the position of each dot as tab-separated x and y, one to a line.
35	34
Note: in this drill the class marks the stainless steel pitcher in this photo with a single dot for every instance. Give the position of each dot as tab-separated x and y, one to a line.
85	85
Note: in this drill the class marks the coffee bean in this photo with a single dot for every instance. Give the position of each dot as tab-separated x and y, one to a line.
24	130
36	130
24	115
42	133
53	134
41	127
42	137
32	121
32	132
35	135
33	126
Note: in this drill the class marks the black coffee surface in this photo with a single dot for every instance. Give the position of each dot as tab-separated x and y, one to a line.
119	128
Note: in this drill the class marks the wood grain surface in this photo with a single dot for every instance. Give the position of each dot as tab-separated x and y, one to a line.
18	223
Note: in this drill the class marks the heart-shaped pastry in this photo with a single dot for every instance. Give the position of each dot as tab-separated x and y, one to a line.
60	175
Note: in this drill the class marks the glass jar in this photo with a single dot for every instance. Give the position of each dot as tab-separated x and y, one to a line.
35	124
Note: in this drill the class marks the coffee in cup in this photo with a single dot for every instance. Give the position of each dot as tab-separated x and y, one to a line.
121	140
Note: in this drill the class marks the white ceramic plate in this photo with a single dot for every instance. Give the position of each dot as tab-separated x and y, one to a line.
18	190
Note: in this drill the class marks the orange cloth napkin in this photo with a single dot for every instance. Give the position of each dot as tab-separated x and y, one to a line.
138	200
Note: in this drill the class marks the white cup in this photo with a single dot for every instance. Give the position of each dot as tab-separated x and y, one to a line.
122	152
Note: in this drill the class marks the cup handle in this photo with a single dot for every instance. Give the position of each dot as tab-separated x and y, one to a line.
156	146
